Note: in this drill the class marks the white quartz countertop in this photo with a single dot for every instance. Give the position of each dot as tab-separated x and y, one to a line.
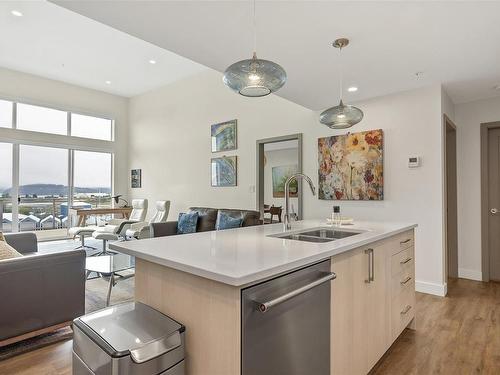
244	256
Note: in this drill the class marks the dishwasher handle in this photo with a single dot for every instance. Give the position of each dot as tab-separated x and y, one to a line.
265	306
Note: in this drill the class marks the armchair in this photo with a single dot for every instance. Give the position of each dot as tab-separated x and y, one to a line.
119	226
141	229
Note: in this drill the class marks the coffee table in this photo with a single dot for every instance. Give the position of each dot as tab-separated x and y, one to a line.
108	266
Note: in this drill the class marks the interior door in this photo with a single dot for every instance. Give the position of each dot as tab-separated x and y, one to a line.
494	202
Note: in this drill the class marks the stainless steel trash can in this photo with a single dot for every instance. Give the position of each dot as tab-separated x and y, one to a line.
128	339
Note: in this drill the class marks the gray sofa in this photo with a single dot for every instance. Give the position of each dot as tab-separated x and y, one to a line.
39	292
207	218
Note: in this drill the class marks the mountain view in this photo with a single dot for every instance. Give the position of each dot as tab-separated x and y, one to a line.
54	190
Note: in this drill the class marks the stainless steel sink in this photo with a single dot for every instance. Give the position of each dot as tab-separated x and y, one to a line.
317	234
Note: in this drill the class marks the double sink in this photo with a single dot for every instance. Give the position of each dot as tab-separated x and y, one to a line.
320	234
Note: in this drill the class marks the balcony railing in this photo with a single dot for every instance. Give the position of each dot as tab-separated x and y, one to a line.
45	213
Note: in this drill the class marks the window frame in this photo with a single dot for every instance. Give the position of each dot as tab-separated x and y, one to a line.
17	137
68	111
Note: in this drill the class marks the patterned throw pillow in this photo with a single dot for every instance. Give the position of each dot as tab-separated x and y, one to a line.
2	238
225	221
7	251
187	222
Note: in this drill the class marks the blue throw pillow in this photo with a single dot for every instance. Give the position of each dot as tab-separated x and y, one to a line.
225	221
187	223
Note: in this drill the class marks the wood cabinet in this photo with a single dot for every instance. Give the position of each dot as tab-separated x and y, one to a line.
369	301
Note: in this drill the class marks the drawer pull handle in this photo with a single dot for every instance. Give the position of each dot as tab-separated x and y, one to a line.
405	241
405	311
405	261
405	280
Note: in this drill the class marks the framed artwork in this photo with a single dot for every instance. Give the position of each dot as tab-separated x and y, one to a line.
136	178
224	136
224	171
351	166
280	174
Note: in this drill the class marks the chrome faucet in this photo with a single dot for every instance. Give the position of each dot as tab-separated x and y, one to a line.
286	221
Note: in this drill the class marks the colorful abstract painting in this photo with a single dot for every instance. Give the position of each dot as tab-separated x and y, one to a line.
224	136
224	171
280	175
351	166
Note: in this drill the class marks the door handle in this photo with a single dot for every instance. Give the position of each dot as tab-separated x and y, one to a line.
265	306
371	266
494	211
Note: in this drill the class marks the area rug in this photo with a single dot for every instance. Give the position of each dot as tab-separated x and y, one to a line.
95	299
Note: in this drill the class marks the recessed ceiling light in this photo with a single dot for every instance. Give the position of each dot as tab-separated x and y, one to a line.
152	62
352	89
16	13
108	82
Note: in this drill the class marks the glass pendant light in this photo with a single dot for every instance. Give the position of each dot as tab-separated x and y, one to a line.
341	116
254	77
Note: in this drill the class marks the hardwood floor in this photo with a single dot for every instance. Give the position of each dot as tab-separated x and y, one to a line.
459	334
51	360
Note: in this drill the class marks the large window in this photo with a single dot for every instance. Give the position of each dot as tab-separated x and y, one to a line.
54	121
43	187
92	179
41	119
41	180
5	187
91	127
5	114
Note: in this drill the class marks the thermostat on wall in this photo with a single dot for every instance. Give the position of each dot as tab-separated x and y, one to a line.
414	162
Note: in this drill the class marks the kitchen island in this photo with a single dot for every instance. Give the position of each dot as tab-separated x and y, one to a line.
199	279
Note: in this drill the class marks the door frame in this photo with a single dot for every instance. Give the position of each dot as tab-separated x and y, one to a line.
485	247
259	181
448	124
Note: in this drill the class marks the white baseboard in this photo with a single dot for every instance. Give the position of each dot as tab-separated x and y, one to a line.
465	273
431	288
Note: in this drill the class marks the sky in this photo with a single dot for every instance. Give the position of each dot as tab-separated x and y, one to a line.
44	165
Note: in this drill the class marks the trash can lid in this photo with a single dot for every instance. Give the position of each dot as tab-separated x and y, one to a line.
126	327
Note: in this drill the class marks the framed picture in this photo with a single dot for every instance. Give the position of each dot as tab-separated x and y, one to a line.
136	178
224	171
280	175
224	136
351	166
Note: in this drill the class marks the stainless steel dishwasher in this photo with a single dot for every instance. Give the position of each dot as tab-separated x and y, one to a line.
286	324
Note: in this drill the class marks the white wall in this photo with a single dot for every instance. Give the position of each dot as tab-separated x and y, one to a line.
41	91
277	158
411	122
468	118
170	141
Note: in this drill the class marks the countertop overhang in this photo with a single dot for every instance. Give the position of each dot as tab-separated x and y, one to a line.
245	256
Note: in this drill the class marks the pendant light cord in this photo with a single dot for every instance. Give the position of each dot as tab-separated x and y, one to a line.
341	72
254	29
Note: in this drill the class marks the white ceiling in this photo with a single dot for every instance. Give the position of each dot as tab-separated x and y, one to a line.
56	43
456	43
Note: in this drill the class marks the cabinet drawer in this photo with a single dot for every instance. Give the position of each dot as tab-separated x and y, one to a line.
403	282
403	311
406	240
401	241
402	261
